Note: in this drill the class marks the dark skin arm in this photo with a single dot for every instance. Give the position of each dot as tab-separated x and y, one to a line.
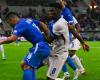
78	28
44	28
76	34
9	40
13	38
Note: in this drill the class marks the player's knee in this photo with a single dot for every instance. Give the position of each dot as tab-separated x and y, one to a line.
24	66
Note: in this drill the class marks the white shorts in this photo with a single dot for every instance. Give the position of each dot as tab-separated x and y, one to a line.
75	45
56	63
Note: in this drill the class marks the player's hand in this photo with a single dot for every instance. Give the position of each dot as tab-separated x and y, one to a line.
85	47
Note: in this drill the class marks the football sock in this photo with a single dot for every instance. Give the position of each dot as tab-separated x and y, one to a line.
64	68
71	63
2	51
29	75
78	62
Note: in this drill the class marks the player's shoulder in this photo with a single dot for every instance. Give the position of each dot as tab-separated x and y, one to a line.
20	24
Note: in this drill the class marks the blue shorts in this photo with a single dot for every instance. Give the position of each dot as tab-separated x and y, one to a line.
37	54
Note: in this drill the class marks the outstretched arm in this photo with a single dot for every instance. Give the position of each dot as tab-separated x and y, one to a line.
9	40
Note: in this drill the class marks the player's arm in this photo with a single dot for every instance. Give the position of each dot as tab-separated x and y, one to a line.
78	28
77	25
76	34
9	40
46	31
16	33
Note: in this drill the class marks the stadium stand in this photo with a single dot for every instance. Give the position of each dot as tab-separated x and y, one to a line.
88	16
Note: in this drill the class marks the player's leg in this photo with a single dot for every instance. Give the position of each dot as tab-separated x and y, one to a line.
34	58
74	46
64	68
66	73
28	72
72	65
77	61
56	63
2	52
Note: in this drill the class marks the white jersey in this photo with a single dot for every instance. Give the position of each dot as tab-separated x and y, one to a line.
60	28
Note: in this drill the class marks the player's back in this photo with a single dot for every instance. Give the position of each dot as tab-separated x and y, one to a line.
29	29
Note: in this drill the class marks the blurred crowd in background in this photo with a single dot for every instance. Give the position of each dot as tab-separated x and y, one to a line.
87	12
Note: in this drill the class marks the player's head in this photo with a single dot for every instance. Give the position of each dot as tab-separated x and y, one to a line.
53	14
12	18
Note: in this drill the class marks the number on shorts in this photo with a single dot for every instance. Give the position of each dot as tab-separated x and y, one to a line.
54	70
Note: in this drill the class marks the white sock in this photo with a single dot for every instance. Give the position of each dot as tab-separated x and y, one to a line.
2	51
78	62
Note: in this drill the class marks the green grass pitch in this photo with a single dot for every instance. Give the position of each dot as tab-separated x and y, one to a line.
10	69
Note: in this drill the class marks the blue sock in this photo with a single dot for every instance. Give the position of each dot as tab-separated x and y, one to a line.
71	63
29	75
64	68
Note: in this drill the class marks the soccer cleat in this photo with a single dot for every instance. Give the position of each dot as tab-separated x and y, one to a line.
66	76
76	74
3	59
82	72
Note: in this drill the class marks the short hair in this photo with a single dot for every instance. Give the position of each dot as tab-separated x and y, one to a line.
55	5
10	15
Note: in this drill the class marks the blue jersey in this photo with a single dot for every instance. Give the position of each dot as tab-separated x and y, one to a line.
67	15
50	26
29	29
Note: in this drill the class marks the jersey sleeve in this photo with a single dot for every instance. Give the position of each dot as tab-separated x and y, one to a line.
67	15
18	30
75	21
36	22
